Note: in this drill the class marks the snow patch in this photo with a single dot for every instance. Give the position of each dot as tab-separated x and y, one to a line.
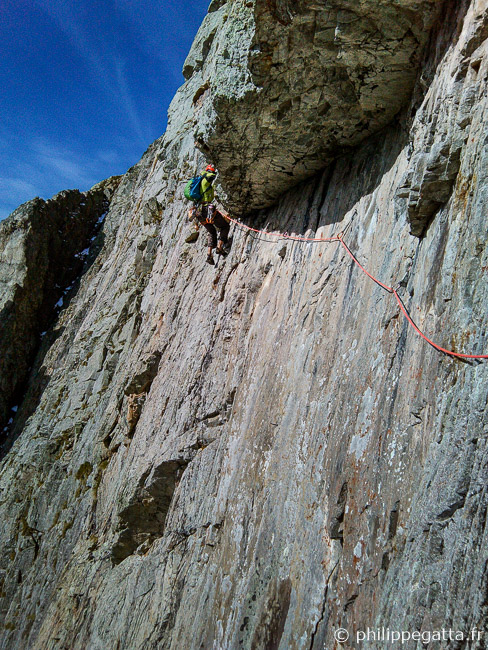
83	253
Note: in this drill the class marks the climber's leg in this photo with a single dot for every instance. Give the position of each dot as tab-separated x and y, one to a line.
211	241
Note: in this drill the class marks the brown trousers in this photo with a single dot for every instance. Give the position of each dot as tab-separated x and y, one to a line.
213	221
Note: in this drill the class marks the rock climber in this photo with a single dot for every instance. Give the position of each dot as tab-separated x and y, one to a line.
206	214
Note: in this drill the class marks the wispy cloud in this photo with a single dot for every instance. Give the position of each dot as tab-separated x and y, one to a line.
128	103
16	186
107	66
109	156
152	21
13	192
65	163
43	169
128	58
68	19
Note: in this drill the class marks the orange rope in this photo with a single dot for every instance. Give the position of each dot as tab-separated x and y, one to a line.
281	235
434	345
384	286
391	290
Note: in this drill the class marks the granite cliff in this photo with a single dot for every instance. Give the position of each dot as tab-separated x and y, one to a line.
258	454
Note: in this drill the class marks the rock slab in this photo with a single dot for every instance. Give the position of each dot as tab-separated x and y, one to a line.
258	454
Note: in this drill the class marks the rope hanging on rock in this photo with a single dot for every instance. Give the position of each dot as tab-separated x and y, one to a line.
393	291
281	235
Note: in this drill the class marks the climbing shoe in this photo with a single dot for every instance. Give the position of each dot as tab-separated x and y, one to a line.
192	237
221	251
210	260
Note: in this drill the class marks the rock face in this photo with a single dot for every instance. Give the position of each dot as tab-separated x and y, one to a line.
309	78
43	246
255	455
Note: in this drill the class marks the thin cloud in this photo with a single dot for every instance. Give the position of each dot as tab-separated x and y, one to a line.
16	189
109	156
62	161
44	169
107	67
122	94
16	186
152	20
128	103
68	21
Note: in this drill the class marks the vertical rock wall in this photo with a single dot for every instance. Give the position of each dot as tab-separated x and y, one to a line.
43	246
257	454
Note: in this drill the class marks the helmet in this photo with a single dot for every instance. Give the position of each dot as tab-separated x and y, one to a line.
210	168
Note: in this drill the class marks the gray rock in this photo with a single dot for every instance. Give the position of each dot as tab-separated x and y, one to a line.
43	248
255	454
308	79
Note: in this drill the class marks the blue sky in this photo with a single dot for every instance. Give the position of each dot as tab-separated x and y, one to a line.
85	88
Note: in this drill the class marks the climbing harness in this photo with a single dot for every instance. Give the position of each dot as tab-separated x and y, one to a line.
394	291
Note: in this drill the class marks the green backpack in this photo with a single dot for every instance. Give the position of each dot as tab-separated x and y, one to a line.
193	189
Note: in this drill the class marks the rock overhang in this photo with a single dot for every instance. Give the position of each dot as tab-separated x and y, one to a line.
279	88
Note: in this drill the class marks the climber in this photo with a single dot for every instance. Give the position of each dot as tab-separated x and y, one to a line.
213	221
208	216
